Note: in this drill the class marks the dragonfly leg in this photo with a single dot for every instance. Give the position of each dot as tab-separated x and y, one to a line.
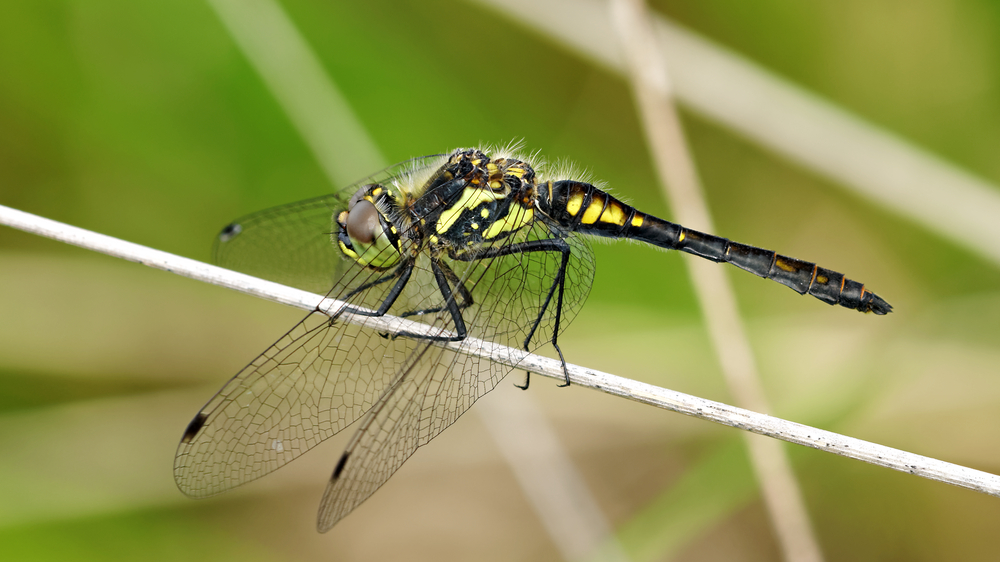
401	273
449	304
527	381
559	283
463	293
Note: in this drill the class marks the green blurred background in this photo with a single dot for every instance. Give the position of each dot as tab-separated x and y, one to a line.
143	120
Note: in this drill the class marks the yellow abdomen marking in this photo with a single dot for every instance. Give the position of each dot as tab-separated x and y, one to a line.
574	203
614	214
594	210
784	265
637	220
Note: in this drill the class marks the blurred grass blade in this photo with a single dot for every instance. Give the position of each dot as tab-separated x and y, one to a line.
296	77
552	483
768	110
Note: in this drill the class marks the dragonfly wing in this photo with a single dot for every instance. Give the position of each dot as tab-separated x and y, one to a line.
513	292
293	244
434	387
312	383
296	244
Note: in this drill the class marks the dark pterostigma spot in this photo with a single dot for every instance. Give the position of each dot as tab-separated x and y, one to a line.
194	427
340	466
230	231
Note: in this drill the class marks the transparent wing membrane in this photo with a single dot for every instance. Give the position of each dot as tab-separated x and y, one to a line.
312	383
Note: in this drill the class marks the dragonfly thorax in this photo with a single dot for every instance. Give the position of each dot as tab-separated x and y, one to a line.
482	199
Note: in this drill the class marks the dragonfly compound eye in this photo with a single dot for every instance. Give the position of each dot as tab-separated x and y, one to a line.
367	237
362	223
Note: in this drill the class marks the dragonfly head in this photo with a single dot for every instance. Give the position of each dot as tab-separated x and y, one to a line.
365	234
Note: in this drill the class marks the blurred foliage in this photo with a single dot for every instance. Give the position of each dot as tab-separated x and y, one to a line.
143	120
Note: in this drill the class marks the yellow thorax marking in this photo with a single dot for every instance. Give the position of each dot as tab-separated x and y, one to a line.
518	217
471	198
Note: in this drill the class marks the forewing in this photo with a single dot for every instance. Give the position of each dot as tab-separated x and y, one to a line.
293	244
312	383
296	244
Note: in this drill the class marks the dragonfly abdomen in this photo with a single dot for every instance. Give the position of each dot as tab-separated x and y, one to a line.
586	209
801	276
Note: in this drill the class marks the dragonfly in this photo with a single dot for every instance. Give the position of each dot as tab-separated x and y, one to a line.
468	244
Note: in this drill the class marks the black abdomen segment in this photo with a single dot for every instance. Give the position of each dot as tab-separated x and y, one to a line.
586	209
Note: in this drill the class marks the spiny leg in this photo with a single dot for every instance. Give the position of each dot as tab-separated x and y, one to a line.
548	245
463	293
449	304
402	272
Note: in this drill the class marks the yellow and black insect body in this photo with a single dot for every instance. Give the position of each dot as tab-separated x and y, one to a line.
475	247
585	209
